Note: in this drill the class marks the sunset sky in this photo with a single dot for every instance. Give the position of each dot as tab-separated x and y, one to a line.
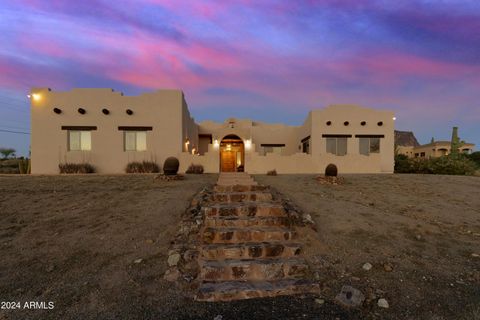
266	60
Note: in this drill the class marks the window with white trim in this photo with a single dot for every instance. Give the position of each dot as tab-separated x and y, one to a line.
135	140
79	140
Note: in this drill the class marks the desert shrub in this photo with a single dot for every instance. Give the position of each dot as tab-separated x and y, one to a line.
142	167
451	164
195	168
9	166
76	168
24	166
272	172
475	157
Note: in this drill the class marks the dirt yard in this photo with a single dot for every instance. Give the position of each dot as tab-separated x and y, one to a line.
421	234
77	241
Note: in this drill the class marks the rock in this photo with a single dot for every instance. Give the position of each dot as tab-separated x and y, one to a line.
475	255
149	241
138	261
367	266
173	259
350	297
219	317
171	275
418	237
382	303
50	268
355	278
388	267
319	301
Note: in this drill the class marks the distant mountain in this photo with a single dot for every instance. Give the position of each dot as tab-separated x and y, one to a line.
405	139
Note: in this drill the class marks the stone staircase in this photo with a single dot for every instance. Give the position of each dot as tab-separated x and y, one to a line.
248	245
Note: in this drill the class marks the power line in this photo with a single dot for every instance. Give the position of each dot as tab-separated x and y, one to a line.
17	132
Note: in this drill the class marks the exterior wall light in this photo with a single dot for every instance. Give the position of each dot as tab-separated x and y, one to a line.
248	144
216	144
394	118
36	96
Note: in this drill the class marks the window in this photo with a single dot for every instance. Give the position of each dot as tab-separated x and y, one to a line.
337	145
79	140
135	140
369	145
272	148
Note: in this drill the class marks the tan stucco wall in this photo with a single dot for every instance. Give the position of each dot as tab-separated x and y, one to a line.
166	111
292	160
160	109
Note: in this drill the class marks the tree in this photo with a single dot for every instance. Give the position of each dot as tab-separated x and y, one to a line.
7	152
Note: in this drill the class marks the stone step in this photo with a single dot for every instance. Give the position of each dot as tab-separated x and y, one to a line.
241	196
247	234
236	182
238	222
236	290
253	269
239	188
250	250
245	209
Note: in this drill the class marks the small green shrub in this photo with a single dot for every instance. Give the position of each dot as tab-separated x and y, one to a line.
195	168
475	157
451	165
70	168
142	167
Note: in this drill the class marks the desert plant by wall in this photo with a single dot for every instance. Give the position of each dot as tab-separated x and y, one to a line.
70	168
24	166
142	167
170	166
9	166
195	168
272	172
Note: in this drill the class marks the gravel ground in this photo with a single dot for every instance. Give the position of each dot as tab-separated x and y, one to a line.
74	240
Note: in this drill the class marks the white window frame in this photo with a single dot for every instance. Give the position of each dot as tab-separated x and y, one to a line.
137	147
84	140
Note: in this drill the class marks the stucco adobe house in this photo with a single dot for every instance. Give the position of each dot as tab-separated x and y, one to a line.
108	130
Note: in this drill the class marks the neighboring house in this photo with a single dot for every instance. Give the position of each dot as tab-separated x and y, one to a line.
109	130
411	148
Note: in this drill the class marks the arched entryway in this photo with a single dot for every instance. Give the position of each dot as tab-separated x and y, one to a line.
232	154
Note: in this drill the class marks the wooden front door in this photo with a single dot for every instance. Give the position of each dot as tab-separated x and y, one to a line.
228	161
231	154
